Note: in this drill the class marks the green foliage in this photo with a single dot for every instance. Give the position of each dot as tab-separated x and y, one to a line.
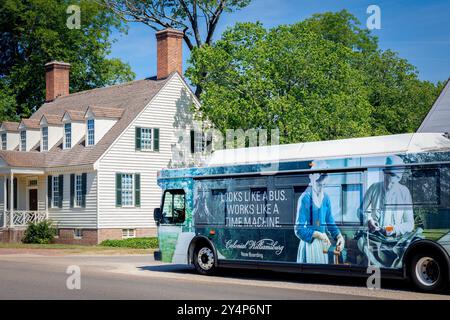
7	103
197	18
319	79
42	232
135	243
34	32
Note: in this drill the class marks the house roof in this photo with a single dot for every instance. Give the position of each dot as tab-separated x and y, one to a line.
75	115
105	112
129	98
10	125
30	123
52	119
438	119
30	159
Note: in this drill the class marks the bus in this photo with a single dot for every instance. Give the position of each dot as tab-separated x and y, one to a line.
342	207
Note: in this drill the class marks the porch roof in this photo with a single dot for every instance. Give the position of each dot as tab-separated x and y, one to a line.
30	159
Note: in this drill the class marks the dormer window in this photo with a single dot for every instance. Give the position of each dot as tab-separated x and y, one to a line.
67	135
4	145
90	132
23	140
44	138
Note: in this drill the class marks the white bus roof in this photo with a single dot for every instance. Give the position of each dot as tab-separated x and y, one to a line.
344	148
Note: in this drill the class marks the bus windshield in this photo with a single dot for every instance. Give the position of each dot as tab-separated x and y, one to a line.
173	210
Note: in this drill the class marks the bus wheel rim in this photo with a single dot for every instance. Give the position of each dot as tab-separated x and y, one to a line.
205	258
427	271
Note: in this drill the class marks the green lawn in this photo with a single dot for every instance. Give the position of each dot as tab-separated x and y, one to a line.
74	249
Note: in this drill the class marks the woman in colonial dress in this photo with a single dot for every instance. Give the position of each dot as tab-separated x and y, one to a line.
314	219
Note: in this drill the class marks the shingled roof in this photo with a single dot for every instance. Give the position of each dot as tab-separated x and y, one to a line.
104	112
31	123
129	98
75	115
10	126
52	119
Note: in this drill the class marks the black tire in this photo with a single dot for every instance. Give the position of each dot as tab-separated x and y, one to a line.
429	272
204	260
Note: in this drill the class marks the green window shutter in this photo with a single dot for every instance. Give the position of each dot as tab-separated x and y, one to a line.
156	139
83	189
138	138
137	190
72	190
61	189
118	190
192	141
49	190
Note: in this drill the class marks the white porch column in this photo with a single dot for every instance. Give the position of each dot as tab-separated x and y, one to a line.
46	196
5	199
11	199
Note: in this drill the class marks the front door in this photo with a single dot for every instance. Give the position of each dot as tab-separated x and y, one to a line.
32	199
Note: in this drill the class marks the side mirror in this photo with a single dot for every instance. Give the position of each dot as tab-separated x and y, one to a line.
157	215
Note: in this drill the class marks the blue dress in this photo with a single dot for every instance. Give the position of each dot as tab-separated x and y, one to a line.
311	218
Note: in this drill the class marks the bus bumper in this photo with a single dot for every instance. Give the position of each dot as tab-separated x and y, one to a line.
157	255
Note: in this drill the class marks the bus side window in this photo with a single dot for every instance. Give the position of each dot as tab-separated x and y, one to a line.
426	188
298	191
174	211
218	207
351	203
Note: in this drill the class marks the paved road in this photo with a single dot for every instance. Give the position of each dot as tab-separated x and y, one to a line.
140	277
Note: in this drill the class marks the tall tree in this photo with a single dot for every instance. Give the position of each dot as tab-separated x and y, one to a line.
399	99
33	32
197	19
319	79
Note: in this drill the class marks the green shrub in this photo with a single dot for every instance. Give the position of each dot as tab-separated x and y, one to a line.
135	243
41	232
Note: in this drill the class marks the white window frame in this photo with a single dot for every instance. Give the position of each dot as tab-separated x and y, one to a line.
23	140
78	194
133	204
78	233
88	132
128	233
199	141
151	145
55	190
4	141
44	139
67	137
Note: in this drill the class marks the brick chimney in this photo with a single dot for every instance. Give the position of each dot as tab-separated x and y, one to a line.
170	57
56	80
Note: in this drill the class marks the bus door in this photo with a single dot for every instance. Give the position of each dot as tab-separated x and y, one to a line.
173	240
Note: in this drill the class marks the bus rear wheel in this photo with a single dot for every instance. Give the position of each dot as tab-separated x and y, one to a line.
429	272
204	260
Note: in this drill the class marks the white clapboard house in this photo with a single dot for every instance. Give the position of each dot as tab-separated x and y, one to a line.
88	160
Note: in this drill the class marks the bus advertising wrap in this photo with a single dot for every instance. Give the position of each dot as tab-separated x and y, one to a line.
361	217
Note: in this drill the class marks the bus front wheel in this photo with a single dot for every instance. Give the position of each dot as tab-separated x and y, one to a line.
204	260
428	272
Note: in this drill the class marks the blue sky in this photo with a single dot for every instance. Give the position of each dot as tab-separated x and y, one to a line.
418	30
